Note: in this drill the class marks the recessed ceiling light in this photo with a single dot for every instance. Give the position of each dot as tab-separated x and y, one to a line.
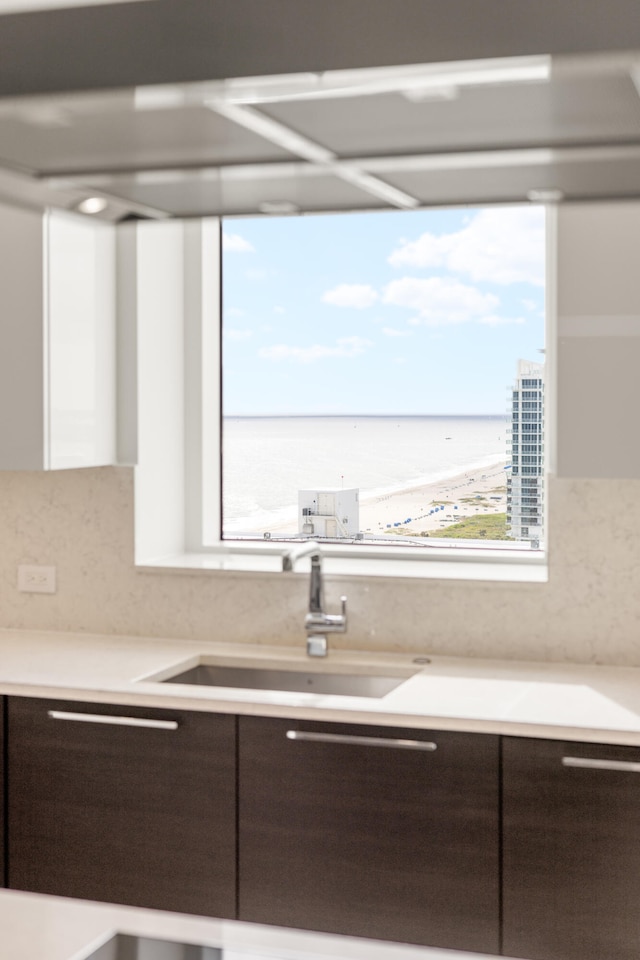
424	94
545	196
92	205
278	206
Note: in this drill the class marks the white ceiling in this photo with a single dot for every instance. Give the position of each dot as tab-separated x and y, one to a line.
472	133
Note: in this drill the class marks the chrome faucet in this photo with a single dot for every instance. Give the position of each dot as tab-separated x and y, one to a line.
317	623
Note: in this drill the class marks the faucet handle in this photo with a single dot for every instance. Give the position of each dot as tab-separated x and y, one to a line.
343	603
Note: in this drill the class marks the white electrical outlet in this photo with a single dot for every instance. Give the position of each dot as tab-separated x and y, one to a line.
36	579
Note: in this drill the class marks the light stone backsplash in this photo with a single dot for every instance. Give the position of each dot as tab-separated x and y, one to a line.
82	522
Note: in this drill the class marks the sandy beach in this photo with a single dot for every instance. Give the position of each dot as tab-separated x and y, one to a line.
432	506
465	495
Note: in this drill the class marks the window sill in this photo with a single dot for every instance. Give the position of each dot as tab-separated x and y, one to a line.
520	567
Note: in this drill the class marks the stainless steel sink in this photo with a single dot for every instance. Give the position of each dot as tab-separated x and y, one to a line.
124	946
255	678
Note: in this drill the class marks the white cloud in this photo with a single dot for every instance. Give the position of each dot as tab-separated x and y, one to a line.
234	312
499	245
440	301
234	243
232	334
392	332
428	250
345	347
358	295
279	310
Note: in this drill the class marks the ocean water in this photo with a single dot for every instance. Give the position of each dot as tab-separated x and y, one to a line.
266	460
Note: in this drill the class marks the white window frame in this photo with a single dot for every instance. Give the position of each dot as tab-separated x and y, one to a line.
166	285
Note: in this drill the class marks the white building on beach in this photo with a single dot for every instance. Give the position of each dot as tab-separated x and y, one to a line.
329	513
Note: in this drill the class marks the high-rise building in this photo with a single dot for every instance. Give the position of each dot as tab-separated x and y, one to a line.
525	483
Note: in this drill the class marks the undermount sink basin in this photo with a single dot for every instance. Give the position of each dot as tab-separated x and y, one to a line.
124	946
255	678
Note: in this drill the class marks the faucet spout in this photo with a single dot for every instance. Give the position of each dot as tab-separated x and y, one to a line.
317	623
290	558
316	586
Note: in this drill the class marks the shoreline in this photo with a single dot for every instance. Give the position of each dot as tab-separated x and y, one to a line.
472	492
469	493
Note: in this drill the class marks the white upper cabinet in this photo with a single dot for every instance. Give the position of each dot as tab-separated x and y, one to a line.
57	341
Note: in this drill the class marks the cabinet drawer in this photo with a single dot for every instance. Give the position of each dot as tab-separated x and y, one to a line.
571	850
370	831
123	804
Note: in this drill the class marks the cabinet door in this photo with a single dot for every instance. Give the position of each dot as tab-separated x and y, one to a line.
81	321
2	792
22	347
370	831
122	804
57	340
571	850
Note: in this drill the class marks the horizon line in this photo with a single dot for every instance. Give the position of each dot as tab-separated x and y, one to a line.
376	416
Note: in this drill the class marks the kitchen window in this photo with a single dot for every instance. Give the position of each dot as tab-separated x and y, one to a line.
405	317
364	374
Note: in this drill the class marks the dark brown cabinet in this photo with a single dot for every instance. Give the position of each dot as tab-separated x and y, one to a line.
123	804
571	850
371	831
364	830
3	880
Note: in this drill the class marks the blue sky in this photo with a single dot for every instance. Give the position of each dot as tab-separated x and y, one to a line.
417	312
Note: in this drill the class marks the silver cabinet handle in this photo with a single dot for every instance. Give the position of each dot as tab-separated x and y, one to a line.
361	741
113	720
589	764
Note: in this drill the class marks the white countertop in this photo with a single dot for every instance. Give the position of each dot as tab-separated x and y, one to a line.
526	699
37	927
559	701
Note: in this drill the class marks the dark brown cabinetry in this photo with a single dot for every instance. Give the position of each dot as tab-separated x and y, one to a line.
571	850
123	804
348	828
371	831
3	879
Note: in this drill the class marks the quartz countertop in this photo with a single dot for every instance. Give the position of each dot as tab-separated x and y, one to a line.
37	927
552	700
